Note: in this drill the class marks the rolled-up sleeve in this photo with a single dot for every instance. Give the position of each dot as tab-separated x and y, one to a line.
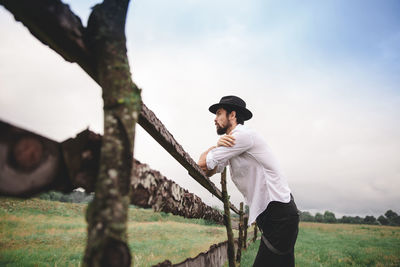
212	162
219	156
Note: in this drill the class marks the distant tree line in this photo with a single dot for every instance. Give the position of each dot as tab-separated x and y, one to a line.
75	196
390	218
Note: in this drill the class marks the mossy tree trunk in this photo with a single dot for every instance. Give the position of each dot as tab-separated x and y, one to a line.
100	49
107	214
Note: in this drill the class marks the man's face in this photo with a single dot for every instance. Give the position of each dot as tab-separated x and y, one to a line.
221	121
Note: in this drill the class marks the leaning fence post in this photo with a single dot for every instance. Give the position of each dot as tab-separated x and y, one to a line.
245	222
240	243
227	221
255	233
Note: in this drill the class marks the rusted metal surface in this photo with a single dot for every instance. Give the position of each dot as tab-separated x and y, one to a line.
216	256
152	189
159	132
29	163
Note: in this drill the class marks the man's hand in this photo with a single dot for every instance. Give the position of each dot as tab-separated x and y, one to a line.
226	140
203	164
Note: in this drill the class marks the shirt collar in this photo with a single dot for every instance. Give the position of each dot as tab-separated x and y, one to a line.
238	126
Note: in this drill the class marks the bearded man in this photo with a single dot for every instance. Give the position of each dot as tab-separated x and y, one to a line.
255	172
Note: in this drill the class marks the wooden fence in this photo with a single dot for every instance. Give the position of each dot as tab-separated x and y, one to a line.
30	164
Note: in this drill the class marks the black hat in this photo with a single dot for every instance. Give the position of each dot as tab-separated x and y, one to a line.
236	103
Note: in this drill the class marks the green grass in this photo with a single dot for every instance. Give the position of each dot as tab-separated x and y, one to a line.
37	232
341	245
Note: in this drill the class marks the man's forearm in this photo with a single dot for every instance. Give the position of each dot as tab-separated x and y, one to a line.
203	162
211	172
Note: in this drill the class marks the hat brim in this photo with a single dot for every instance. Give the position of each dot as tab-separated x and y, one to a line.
246	114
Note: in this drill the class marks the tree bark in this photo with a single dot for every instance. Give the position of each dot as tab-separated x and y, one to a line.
107	214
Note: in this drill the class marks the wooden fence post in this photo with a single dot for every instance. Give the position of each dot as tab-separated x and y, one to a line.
245	222
255	233
240	243
227	221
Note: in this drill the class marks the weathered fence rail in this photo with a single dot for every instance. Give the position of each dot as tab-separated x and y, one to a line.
152	189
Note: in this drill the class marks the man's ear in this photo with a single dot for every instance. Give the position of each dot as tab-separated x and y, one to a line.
232	115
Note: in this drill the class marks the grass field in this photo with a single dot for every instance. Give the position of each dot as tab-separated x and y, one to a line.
44	233
341	245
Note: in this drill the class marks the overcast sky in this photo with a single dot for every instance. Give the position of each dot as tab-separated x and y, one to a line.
321	78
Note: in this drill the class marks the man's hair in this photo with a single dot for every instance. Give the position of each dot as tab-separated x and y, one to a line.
239	116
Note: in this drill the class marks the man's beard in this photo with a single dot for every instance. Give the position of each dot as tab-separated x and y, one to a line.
222	130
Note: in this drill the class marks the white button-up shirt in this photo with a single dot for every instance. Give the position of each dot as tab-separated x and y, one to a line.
254	170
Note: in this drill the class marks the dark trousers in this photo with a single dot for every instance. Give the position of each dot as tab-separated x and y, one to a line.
279	223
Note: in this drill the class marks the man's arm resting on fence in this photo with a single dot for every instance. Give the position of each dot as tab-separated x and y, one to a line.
203	163
229	146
